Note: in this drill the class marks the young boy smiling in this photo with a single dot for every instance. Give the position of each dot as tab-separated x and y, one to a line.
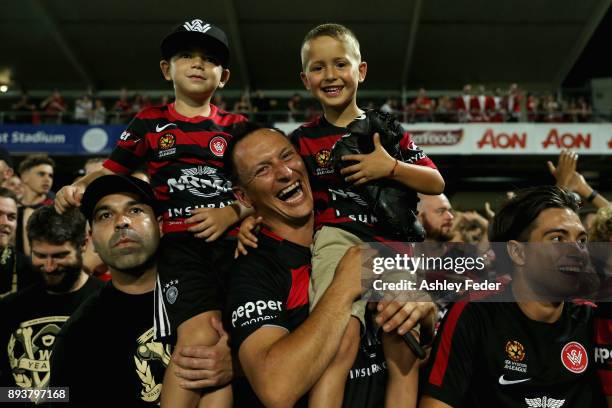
182	144
332	72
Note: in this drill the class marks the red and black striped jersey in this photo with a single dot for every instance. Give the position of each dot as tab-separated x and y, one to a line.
269	287
335	204
183	156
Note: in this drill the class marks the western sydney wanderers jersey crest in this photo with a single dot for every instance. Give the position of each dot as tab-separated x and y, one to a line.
196	25
29	350
544	402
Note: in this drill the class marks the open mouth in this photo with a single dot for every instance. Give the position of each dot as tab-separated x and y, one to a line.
571	269
290	193
332	90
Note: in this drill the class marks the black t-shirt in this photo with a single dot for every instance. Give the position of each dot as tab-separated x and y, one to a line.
29	323
106	353
492	355
269	287
15	270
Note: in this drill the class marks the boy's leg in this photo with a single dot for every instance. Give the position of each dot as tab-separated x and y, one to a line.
188	295
330	245
194	331
403	371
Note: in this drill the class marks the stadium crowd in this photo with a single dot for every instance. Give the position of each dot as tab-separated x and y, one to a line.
472	104
215	261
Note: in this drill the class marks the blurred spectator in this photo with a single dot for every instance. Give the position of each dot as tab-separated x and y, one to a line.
584	111
15	268
601	230
388	106
93	164
463	103
97	116
14	184
164	100
587	217
23	111
243	105
53	108
122	109
219	102
533	107
261	106
313	111
436	215
550	108
481	106
36	172
137	103
498	113
296	109
470	227
512	103
445	109
6	165
423	107
82	109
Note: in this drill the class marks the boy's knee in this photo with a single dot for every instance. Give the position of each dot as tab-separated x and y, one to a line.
198	330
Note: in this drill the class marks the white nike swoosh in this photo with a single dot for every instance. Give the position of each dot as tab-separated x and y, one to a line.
502	381
160	128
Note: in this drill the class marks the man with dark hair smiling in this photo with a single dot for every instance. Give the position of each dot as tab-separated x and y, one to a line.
31	319
283	349
530	346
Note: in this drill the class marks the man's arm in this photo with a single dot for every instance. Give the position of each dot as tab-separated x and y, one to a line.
568	178
70	195
280	366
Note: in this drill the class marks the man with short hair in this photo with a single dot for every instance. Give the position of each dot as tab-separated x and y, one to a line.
30	319
130	363
15	268
36	172
283	349
436	215
528	346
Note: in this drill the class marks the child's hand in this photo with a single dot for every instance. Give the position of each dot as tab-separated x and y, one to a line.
246	236
211	223
372	166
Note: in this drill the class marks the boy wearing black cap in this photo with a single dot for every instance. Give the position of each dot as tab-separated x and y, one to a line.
183	144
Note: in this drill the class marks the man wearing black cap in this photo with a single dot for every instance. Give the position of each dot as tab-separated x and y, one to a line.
182	145
115	328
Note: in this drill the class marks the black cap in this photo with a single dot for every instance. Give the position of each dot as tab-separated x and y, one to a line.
115	184
6	157
196	32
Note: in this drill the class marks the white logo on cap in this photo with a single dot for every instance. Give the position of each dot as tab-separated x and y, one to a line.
197	25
